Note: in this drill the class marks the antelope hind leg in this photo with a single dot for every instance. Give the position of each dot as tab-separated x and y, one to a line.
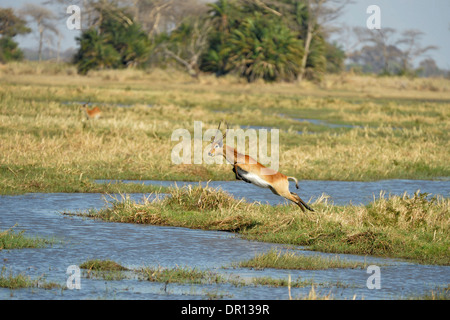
301	203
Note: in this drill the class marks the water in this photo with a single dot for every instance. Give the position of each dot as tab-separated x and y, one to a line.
135	246
339	192
326	124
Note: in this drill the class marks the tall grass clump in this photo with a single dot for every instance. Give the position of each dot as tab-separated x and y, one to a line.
200	198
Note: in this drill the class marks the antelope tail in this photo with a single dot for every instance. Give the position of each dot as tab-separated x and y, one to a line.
295	180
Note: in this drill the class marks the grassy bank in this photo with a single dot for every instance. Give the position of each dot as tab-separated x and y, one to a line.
415	228
393	127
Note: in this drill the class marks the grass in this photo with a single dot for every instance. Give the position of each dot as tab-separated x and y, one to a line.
21	281
105	269
435	294
110	270
289	260
271	282
19	179
10	239
181	275
403	126
409	227
102	265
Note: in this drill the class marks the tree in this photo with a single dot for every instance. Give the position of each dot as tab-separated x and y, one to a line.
95	53
263	48
334	56
411	48
429	68
379	53
187	43
10	26
384	52
225	16
114	41
44	19
251	39
311	20
9	50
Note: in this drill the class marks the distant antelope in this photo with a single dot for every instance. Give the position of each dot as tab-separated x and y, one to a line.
93	113
249	170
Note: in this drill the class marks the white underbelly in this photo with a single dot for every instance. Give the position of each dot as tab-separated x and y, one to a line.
256	180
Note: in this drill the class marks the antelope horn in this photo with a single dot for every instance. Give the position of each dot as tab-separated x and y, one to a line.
224	135
218	129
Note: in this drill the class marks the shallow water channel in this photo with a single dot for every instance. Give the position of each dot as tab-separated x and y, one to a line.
134	246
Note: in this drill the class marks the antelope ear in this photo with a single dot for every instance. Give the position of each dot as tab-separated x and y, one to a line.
212	139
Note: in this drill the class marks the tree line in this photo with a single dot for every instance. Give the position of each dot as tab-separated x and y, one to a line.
273	40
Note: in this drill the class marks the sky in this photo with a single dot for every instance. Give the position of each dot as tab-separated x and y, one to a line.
429	16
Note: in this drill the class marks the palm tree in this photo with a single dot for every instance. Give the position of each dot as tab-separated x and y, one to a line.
220	14
263	48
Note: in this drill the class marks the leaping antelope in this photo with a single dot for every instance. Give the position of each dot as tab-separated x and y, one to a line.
249	170
93	113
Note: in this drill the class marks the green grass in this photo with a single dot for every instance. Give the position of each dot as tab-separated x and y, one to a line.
410	227
289	260
110	270
21	281
271	282
102	265
10	239
104	269
181	275
23	179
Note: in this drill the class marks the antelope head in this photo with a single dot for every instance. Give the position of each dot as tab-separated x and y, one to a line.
85	105
217	142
